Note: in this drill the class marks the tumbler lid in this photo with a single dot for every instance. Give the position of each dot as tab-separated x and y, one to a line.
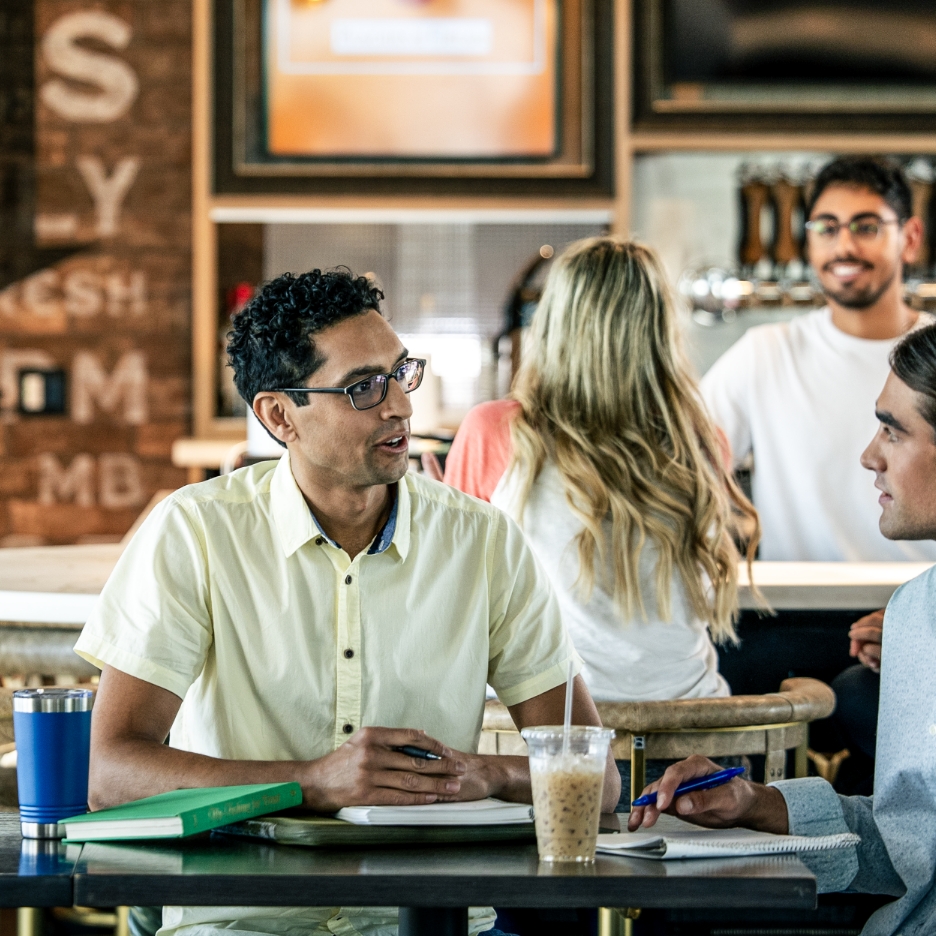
52	699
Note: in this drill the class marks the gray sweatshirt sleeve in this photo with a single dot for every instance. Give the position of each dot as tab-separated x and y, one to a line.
814	808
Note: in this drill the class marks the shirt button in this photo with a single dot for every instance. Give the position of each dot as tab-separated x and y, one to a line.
320	542
348	729
347	580
348	653
932	729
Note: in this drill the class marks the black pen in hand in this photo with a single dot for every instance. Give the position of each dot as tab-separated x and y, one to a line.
411	751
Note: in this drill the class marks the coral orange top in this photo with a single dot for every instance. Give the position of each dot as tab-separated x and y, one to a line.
481	451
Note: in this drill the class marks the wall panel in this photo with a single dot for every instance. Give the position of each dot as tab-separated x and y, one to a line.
103	292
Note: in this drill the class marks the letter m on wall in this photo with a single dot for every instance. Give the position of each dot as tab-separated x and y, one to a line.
75	483
122	392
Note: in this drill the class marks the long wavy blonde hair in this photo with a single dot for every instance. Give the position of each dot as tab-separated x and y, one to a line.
605	392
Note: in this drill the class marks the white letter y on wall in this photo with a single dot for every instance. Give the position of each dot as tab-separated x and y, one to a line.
108	191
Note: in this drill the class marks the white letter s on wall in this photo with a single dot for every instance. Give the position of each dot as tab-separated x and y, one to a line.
115	80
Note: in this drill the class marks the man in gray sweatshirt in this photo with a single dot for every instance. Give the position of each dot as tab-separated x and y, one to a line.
897	825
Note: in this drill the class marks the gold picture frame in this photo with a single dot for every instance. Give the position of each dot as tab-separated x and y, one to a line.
583	153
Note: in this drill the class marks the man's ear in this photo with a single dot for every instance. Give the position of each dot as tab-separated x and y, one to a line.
270	409
913	240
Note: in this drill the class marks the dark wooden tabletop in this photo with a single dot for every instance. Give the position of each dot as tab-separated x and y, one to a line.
217	870
220	870
33	874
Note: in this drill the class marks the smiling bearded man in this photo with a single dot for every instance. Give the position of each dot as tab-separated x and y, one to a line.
799	397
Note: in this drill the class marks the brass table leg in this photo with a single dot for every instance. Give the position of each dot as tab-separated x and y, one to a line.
801	768
433	921
614	921
28	921
638	766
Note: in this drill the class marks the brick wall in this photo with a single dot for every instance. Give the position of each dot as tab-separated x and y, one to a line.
111	118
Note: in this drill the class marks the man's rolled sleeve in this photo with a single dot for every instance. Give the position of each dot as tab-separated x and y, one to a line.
814	808
152	620
529	647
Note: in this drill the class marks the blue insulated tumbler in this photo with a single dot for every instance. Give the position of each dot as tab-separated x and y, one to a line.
52	728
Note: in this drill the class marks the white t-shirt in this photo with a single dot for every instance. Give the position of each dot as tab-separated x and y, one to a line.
625	660
800	395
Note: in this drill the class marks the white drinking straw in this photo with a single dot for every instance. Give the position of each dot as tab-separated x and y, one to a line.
567	718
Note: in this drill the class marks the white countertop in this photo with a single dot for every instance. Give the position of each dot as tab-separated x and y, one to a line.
53	584
60	584
827	585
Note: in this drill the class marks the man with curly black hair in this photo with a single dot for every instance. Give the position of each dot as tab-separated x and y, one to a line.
305	620
268	344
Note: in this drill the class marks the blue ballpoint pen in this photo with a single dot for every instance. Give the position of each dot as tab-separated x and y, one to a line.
700	783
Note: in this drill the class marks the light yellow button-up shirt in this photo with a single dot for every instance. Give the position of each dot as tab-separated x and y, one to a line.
281	645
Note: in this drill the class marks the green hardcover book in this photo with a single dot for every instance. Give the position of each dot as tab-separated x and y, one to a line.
182	812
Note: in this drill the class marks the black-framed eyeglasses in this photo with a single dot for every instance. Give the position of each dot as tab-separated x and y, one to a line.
371	391
862	227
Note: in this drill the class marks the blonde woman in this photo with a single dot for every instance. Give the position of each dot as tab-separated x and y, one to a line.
607	459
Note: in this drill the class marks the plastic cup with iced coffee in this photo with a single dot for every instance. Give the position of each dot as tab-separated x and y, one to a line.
567	784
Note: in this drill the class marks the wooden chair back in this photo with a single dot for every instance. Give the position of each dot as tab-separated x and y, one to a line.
768	725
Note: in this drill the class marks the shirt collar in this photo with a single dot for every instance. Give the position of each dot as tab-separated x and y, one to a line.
385	537
381	541
296	523
290	511
401	534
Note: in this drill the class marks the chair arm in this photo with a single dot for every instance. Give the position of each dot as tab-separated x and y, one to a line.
811	699
640	718
799	700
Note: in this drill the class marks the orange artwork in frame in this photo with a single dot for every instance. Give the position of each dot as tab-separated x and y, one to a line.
412	79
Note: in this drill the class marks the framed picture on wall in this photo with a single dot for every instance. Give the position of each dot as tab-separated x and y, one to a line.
827	64
409	89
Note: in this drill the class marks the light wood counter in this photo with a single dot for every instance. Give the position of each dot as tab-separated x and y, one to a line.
60	584
53	584
197	455
827	585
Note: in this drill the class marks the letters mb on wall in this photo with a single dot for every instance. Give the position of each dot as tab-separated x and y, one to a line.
112	178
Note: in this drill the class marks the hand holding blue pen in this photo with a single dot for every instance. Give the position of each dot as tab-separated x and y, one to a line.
700	783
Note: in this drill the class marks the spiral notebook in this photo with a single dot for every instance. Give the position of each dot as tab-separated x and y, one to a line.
475	812
678	839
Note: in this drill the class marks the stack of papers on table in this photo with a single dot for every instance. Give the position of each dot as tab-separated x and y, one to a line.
478	812
677	839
